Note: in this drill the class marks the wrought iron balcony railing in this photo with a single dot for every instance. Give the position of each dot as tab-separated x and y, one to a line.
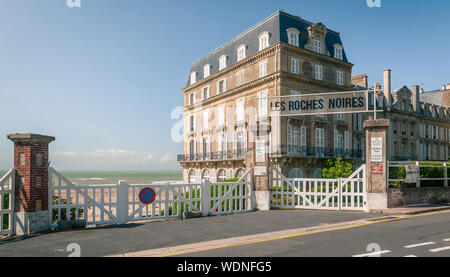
282	151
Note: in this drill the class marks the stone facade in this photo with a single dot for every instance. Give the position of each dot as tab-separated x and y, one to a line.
411	196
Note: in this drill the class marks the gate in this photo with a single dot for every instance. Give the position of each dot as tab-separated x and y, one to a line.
316	193
119	203
7	190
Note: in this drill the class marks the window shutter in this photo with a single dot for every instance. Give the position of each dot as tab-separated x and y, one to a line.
289	135
245	141
234	144
225	145
303	137
363	147
336	142
202	141
195	149
421	130
195	122
225	85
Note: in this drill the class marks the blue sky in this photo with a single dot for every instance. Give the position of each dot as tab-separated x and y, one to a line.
105	77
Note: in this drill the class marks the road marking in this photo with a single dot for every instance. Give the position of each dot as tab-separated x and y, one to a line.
226	243
410	256
372	254
440	249
419	244
446	239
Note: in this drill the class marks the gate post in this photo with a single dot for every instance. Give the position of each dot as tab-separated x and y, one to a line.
122	202
376	163
205	195
31	186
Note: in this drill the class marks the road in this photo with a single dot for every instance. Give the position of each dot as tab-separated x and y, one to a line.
420	236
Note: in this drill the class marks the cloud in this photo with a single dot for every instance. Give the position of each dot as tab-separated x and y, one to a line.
166	157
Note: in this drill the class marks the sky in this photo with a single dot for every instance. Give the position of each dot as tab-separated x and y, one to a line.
106	78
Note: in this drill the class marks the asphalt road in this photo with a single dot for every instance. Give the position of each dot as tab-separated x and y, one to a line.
422	236
137	237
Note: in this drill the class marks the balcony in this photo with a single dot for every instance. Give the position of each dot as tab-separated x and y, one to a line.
294	151
297	151
211	156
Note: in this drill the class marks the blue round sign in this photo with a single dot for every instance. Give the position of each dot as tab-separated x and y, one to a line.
147	196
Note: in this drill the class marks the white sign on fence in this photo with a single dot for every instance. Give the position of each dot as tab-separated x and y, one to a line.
376	150
412	173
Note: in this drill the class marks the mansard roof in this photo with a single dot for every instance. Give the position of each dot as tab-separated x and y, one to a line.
276	25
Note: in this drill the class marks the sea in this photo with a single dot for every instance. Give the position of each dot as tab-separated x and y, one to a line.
112	177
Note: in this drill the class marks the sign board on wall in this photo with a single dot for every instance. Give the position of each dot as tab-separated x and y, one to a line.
412	173
376	150
260	151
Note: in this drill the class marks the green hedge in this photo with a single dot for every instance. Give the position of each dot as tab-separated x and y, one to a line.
425	172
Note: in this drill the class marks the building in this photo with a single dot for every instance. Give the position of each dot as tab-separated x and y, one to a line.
225	101
437	97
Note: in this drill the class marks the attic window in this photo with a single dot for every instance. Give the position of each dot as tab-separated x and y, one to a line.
193	77
293	36
263	41
338	52
206	71
318	46
241	53
222	62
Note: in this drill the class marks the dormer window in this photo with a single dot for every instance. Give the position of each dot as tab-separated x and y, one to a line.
222	62
318	46
193	77
263	41
206	71
241	53
338	52
293	36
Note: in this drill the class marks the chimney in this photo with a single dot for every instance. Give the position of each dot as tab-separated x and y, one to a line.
387	86
360	80
415	97
421	90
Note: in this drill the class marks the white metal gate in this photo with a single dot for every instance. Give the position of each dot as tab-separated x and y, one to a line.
119	203
7	192
316	193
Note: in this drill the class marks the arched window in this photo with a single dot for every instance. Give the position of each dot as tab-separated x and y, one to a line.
212	176
239	173
192	176
263	40
317	173
222	176
241	53
296	173
230	173
205	175
293	36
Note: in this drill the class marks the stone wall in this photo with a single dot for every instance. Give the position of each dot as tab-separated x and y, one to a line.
409	196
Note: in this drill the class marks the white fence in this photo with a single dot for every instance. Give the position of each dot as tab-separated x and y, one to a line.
442	180
316	193
119	203
7	195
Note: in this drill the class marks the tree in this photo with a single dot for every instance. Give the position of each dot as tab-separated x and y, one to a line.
337	168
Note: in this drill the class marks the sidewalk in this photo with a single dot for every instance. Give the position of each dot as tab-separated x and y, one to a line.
413	209
113	240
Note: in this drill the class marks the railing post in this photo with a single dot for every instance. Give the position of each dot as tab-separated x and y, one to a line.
122	202
340	193
445	175
205	195
166	201
418	179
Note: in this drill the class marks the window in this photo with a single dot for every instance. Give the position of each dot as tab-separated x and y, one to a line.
192	126
206	71
193	77
340	116
340	78
318	46
262	105
295	92
205	93
221	115
240	77
338	52
240	110
293	136
263	41
293	36
303	140
262	69
403	128
241	53
205	119
319	72
192	176
221	176
222	62
221	86
191	99
296	173
205	174
320	142
222	145
338	143
294	66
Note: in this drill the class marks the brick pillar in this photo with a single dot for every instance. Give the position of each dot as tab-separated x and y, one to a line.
376	162
31	188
